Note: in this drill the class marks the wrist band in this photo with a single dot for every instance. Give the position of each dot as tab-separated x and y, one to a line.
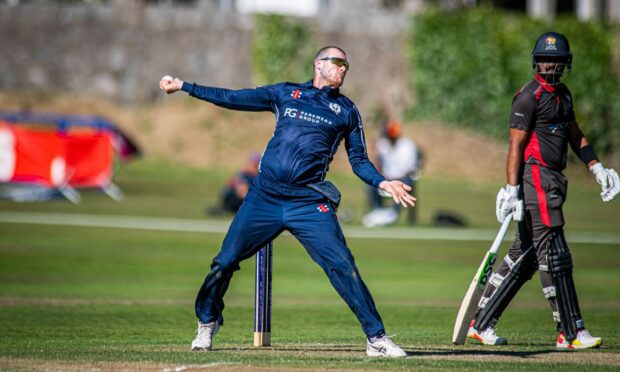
586	154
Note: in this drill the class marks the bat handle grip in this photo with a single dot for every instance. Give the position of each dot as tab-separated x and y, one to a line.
502	232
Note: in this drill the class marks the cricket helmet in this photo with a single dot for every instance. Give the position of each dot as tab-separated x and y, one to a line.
552	45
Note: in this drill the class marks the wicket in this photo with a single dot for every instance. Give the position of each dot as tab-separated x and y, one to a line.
262	296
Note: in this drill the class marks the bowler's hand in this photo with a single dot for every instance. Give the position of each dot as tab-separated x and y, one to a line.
399	192
170	85
608	179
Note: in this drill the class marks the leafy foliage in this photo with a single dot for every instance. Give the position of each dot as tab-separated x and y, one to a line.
283	49
468	65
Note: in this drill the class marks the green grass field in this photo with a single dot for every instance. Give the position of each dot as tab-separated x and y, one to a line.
88	297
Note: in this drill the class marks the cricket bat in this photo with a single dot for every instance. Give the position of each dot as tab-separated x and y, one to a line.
476	288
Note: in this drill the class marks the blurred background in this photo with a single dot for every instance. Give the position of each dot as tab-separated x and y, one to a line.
446	69
115	197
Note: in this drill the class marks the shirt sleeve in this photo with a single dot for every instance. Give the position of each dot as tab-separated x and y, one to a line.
355	144
523	113
257	99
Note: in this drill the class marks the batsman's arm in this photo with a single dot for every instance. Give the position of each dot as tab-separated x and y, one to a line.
580	145
516	144
578	141
606	177
521	123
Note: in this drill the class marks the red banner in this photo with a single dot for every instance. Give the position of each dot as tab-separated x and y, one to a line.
80	159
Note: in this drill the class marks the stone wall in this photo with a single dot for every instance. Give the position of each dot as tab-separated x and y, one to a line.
121	50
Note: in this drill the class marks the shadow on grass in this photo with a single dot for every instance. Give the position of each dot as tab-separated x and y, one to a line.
495	352
353	349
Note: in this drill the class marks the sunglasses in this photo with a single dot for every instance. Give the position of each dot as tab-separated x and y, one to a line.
337	61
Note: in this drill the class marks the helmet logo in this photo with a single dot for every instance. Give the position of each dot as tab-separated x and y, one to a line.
550	43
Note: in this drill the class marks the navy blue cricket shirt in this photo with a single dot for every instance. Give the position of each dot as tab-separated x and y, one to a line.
310	124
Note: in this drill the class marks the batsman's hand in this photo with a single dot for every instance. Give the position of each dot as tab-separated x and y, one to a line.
399	192
169	84
508	201
608	179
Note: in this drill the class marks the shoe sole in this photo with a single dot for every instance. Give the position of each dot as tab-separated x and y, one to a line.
476	337
379	354
579	347
375	353
196	348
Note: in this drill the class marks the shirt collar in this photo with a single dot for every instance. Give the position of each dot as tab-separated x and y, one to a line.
541	80
328	89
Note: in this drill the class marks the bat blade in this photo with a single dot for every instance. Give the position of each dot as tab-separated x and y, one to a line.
471	299
476	288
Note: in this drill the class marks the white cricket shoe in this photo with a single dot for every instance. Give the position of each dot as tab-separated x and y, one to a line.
583	341
384	347
488	337
204	335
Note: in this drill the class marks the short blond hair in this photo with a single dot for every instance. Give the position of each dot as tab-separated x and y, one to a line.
323	51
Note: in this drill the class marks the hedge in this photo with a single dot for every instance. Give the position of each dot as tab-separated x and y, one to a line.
467	65
282	49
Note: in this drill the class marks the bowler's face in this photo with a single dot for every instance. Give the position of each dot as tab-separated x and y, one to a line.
329	70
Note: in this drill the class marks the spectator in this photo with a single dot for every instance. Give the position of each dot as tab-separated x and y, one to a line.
237	187
397	157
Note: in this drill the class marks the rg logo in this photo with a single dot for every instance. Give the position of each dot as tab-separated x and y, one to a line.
291	112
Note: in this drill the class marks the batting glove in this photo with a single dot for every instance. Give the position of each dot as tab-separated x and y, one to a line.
608	179
508	201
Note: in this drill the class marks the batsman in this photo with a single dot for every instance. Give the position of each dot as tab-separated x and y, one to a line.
542	125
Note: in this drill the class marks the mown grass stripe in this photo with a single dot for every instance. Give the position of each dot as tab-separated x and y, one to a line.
220	227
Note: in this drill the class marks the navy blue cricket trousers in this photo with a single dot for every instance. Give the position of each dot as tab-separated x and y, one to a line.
268	209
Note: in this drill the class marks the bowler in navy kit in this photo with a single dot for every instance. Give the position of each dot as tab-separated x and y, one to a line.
290	192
